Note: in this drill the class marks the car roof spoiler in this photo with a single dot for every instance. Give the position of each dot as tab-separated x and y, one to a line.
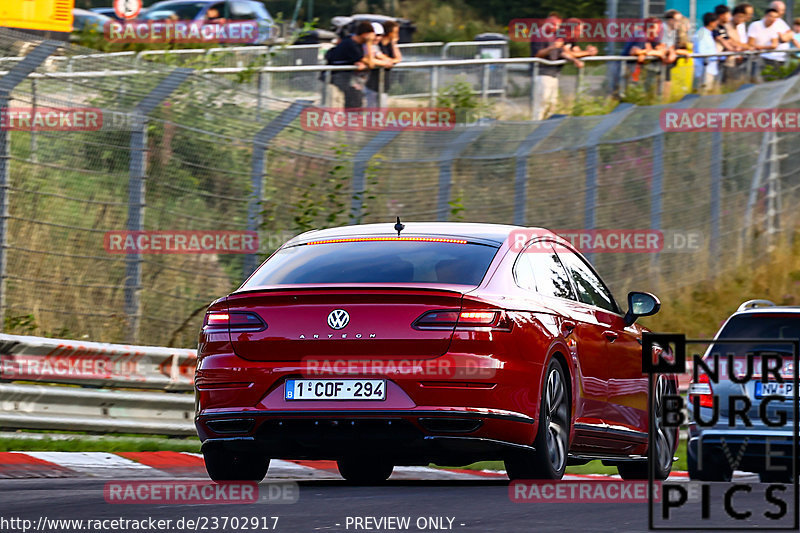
752	304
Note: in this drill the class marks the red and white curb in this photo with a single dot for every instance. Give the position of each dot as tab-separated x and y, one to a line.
126	465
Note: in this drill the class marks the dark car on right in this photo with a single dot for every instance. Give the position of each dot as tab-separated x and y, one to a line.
754	426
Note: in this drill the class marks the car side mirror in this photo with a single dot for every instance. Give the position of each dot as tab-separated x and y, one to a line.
641	304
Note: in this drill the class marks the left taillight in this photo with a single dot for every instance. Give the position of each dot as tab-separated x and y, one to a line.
233	321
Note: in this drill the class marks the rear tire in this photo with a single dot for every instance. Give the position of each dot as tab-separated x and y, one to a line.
223	465
714	468
364	471
549	461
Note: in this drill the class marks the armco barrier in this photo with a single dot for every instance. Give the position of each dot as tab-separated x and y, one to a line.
24	358
59	406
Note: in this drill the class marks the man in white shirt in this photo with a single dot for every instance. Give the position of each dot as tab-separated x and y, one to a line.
764	35
742	15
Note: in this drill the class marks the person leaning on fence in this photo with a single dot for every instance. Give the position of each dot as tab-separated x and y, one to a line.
351	51
727	41
706	69
646	48
674	43
387	54
764	35
545	84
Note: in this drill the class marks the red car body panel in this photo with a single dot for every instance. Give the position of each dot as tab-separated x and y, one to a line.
492	376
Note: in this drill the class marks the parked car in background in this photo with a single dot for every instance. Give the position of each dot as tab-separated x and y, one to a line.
229	11
83	19
107	11
714	449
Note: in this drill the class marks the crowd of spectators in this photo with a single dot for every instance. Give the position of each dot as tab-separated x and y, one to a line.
723	30
371	48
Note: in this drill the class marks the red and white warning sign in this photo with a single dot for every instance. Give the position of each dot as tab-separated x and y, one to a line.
127	9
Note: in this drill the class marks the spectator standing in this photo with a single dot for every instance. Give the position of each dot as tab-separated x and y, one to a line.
388	53
706	69
726	42
785	34
675	45
546	82
764	35
350	51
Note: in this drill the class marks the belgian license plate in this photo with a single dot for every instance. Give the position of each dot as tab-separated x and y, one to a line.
773	388
335	389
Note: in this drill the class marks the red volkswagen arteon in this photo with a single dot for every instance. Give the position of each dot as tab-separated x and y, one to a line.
441	343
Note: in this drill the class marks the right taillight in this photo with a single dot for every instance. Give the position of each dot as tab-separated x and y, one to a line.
233	321
466	319
703	390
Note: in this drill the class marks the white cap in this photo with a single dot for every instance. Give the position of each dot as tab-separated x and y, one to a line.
378	27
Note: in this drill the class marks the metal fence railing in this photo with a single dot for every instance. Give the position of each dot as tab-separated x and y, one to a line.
210	149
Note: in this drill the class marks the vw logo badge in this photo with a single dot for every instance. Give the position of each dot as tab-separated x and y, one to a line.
338	318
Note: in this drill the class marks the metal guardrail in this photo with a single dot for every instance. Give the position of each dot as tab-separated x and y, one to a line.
57	408
95	364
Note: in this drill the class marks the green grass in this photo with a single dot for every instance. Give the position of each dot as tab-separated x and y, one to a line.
593	467
83	443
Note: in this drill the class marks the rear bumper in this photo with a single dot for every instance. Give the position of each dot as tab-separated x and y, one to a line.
416	436
756	451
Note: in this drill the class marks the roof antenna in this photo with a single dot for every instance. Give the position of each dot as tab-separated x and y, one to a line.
399	227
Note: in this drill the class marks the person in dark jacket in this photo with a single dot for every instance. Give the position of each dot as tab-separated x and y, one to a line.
352	50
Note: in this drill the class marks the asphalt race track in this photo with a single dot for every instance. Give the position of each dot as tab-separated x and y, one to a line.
431	500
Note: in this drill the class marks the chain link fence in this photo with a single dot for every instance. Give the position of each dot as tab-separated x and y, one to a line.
182	150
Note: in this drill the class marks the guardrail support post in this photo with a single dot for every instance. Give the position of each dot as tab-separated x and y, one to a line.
607	124
15	76
434	86
136	191
360	162
521	155
454	149
260	143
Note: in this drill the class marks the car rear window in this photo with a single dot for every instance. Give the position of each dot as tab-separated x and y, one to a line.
392	261
762	327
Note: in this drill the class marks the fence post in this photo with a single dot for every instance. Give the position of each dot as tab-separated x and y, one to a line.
14	77
360	161
448	157
485	83
591	145
434	86
533	99
261	141
521	168
324	90
136	191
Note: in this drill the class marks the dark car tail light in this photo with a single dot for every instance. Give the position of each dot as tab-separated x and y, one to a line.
233	321
468	319
703	390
